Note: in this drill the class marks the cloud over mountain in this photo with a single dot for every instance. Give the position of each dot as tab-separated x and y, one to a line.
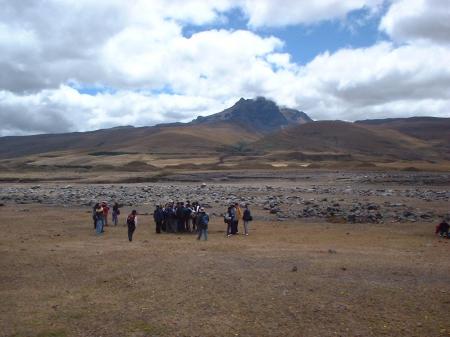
87	65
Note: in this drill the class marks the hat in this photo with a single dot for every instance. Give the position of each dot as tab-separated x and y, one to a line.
202	209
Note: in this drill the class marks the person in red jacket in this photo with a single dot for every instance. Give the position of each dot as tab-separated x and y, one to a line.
105	212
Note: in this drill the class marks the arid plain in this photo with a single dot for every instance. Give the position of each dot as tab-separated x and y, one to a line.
308	268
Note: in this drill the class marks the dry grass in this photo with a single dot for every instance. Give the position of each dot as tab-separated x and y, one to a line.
59	279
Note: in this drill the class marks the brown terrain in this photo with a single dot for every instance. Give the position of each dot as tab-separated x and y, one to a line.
342	242
289	277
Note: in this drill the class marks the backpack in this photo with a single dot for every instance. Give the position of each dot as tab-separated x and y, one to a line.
247	216
130	220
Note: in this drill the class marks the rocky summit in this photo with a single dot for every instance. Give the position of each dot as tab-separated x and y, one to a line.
258	114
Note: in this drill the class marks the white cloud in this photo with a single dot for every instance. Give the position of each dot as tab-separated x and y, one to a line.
418	21
379	81
65	109
270	13
156	74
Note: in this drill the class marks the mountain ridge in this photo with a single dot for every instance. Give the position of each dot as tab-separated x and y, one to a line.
252	130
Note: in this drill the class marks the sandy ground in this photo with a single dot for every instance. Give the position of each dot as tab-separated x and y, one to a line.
285	279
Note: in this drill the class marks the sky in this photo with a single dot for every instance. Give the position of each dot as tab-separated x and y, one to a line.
78	65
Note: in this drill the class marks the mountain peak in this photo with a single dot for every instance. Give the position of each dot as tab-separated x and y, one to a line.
259	114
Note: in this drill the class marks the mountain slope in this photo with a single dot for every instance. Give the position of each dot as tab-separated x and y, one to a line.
246	121
347	138
426	128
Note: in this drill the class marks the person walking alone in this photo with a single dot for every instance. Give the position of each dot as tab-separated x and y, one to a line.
132	224
203	221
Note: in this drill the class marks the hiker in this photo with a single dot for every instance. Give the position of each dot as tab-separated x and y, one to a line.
194	214
442	229
237	217
203	220
229	219
187	216
165	219
158	216
115	214
105	213
246	217
180	216
173	224
132	224
99	219
94	215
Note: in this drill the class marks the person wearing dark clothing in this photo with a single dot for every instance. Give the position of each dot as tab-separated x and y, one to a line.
230	216
180	216
234	220
158	216
203	220
187	217
94	214
115	214
172	219
442	229
246	217
132	223
164	224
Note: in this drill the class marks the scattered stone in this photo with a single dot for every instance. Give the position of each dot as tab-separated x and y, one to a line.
294	269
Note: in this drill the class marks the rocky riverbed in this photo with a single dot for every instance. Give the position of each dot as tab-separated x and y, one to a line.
355	198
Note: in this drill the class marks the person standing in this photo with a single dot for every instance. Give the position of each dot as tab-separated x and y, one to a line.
187	211
195	211
115	214
105	213
94	215
203	221
237	218
99	219
233	223
132	224
180	216
229	219
158	216
246	217
173	218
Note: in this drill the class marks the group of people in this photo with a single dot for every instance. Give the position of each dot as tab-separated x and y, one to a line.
232	217
175	217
